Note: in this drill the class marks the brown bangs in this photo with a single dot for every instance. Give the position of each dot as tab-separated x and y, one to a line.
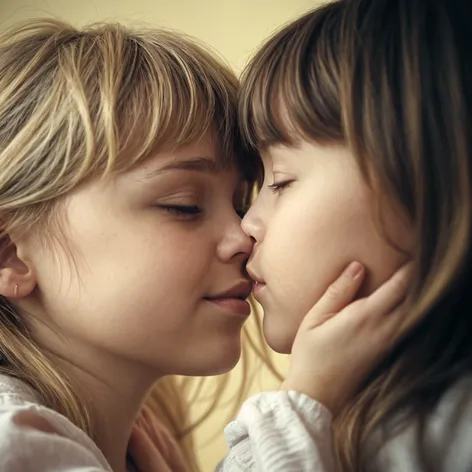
290	89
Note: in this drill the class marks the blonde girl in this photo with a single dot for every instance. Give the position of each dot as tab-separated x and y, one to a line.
113	142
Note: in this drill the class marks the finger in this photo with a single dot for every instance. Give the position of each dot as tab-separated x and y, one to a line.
394	322
390	294
387	333
338	295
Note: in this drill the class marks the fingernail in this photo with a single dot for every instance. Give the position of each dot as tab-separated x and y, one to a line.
354	270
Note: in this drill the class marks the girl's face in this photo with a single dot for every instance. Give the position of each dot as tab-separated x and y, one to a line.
312	217
157	277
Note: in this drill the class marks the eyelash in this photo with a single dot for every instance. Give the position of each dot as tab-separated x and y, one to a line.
184	211
278	187
192	211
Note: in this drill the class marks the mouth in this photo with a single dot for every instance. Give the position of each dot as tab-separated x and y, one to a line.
234	299
257	280
258	289
259	283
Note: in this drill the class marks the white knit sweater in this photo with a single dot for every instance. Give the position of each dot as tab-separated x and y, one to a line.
274	432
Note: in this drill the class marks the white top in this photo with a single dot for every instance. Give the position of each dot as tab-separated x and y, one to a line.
35	438
274	432
287	432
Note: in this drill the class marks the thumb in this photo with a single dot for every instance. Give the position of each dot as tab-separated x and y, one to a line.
338	295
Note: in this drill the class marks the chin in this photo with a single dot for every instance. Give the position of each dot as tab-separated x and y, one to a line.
279	339
219	360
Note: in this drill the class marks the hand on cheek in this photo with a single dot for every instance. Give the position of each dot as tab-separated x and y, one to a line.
339	342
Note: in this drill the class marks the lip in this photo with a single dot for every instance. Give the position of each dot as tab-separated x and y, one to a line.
254	276
259	283
258	289
234	299
241	290
234	305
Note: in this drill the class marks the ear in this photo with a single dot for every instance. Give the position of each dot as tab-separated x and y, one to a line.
17	278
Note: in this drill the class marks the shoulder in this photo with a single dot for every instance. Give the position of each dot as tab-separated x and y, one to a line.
446	439
35	438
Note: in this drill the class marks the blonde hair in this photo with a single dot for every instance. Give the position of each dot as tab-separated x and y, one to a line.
391	81
81	103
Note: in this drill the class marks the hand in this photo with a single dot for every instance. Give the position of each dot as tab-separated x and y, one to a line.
338	343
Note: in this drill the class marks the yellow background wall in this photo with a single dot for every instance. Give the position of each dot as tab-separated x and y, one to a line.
234	28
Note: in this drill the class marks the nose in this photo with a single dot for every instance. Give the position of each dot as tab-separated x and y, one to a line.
253	224
235	244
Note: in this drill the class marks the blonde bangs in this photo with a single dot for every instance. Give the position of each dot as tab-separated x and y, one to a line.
173	93
77	103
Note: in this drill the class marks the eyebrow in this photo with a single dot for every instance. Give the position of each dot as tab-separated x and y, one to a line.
195	164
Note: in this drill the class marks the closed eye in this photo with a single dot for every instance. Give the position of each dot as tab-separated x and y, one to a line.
186	211
278	187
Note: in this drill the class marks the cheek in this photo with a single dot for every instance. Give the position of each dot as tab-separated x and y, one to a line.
124	276
389	248
311	236
135	301
308	244
149	269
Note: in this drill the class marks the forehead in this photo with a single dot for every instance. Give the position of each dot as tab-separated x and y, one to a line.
281	151
202	155
193	160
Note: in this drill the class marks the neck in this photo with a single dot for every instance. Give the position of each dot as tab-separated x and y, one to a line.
113	387
113	413
114	391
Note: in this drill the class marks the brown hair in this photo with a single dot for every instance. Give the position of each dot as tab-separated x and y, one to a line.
81	103
392	80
